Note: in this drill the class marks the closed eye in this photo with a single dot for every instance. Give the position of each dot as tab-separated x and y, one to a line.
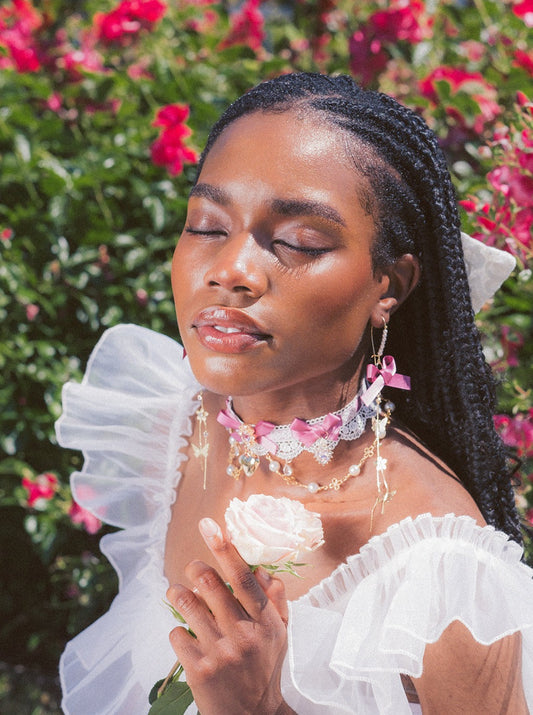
205	232
307	250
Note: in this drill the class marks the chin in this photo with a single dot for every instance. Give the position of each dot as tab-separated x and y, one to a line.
224	375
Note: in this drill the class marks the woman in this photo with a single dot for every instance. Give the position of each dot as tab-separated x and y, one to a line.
323	218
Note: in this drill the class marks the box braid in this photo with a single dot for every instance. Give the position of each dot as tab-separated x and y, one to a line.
433	336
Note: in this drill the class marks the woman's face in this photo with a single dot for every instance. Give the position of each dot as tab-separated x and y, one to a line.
272	275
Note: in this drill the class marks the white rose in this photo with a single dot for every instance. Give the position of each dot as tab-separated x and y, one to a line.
266	530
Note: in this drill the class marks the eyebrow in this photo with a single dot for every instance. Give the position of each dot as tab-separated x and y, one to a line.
294	207
283	207
213	193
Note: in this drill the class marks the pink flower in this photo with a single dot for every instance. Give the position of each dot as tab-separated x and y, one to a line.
6	234
32	311
128	19
471	83
511	343
84	58
246	27
474	50
54	102
41	489
19	24
138	70
142	297
524	60
517	432
269	531
524	10
402	21
79	515
169	149
513	184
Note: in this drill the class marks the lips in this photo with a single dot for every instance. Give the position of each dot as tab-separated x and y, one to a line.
229	330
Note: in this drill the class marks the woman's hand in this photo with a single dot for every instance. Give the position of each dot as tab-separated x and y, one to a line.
234	663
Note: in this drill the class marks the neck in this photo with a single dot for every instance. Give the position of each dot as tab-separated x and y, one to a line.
305	400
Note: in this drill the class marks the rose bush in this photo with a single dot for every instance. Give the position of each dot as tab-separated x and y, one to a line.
97	153
269	531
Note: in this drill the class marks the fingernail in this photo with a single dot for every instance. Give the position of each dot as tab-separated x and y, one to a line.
210	529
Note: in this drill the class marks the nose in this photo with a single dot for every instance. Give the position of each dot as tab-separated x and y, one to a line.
239	266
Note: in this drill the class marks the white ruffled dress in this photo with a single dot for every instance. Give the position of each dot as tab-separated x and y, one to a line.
350	637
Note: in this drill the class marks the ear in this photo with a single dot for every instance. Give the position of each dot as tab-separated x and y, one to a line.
399	280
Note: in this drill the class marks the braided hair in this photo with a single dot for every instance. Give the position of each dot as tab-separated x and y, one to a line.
432	336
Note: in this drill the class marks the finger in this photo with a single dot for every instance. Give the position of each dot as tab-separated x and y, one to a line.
274	589
235	570
185	646
194	611
215	593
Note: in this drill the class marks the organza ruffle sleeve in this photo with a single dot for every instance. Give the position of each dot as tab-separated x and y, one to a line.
131	416
355	633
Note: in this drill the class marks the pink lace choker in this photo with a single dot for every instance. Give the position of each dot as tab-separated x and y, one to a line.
319	436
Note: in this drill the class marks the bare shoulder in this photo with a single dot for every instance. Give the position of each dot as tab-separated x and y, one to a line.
463	677
422	483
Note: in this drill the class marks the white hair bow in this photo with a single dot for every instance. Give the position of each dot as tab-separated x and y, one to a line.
486	267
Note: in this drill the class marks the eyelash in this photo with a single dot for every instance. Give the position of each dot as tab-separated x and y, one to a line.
313	252
302	249
197	232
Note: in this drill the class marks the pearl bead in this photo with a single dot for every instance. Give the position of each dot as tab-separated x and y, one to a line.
273	465
354	470
230	470
287	470
312	487
389	406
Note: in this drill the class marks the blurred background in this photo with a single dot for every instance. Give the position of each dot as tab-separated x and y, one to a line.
104	108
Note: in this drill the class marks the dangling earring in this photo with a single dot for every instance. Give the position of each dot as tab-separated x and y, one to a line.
202	448
379	424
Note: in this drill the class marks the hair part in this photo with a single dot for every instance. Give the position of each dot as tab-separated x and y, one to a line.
433	336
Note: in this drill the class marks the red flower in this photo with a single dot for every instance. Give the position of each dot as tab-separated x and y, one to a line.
41	489
79	515
128	19
246	27
171	115
524	10
169	149
368	45
471	83
6	234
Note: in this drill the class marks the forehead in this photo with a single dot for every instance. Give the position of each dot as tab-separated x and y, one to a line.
291	151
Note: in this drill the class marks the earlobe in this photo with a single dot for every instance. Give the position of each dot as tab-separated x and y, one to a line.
403	276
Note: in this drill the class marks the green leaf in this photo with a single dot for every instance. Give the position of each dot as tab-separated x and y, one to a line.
174	701
152	697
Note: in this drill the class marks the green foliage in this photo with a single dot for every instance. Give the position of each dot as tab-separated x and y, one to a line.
88	224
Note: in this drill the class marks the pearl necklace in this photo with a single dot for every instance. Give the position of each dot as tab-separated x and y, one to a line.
319	436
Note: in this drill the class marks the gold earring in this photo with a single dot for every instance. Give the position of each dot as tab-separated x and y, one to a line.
201	450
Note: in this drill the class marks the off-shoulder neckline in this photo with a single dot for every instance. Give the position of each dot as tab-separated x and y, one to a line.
381	549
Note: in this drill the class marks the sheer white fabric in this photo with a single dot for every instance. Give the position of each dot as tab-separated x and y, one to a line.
487	267
350	637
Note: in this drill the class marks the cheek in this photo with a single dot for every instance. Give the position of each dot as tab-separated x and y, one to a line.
184	275
339	298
